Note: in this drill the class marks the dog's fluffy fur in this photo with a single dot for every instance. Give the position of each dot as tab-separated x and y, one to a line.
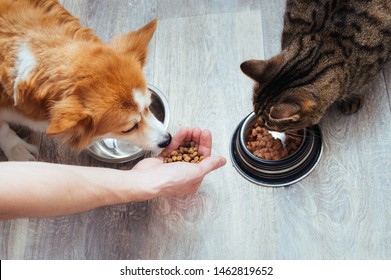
57	76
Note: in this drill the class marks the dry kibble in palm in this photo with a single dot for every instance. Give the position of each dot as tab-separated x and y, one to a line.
187	152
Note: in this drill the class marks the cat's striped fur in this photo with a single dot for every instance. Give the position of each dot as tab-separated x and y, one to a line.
330	49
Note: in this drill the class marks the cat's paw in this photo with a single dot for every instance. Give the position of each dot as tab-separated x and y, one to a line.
22	151
351	104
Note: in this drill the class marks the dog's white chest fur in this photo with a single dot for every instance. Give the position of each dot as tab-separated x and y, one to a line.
25	64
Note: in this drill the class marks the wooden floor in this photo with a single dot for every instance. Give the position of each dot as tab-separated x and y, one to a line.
341	211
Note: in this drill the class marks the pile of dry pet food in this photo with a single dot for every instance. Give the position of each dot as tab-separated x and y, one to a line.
187	152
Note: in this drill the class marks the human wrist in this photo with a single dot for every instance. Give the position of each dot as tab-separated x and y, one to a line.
124	186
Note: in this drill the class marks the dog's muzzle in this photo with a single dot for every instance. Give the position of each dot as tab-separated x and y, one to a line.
166	142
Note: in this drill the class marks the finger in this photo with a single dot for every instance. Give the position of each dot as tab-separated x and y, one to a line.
184	135
205	143
179	138
195	136
212	163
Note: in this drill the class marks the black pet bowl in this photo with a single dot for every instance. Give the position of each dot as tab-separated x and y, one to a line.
275	173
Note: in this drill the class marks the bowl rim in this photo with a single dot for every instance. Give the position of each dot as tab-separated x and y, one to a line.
282	182
246	122
164	100
126	158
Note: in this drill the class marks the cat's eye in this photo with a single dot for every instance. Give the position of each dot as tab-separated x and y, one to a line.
130	129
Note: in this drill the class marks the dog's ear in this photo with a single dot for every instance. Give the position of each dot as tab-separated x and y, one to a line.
71	123
135	43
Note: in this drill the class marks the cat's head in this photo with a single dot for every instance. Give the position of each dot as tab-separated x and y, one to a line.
280	101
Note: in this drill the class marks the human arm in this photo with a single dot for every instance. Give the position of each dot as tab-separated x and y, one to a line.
37	189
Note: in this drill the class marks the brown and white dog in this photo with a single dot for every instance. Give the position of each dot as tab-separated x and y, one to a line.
57	76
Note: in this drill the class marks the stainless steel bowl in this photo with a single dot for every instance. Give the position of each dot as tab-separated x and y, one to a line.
116	151
275	173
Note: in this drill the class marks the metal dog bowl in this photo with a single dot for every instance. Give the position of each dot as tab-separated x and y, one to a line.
275	173
116	151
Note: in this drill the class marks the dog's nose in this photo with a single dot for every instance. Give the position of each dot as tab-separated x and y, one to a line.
166	142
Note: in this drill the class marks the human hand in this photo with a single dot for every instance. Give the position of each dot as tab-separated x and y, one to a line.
181	178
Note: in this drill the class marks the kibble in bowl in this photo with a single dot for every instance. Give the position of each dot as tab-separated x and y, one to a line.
264	145
265	160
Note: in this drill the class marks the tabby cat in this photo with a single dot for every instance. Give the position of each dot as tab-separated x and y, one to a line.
330	49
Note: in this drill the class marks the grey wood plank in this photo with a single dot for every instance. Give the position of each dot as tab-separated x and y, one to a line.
14	241
106	233
187	8
272	24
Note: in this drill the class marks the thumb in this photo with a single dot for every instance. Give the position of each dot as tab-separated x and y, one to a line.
212	163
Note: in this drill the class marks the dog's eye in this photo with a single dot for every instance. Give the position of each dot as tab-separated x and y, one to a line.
130	129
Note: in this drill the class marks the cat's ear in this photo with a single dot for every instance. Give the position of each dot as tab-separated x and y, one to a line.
262	70
292	111
285	111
